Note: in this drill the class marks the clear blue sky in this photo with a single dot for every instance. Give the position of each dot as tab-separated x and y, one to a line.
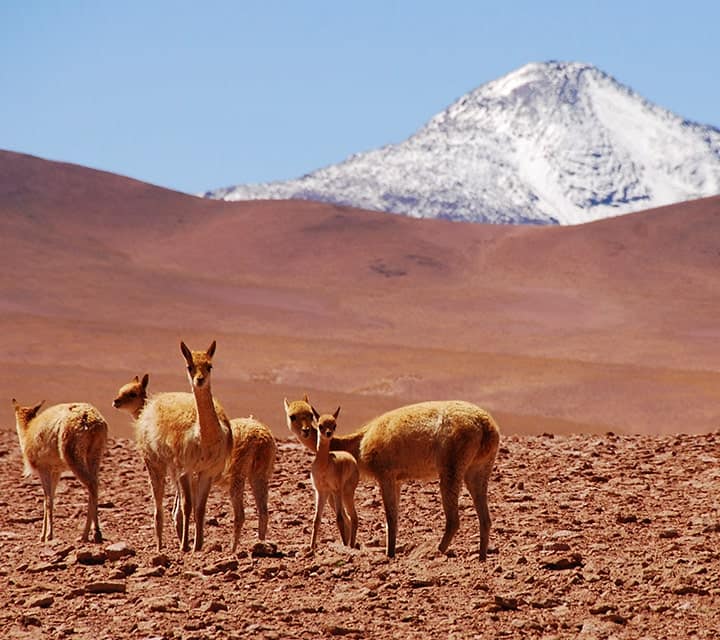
197	95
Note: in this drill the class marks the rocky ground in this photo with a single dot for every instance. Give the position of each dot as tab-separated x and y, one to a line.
593	537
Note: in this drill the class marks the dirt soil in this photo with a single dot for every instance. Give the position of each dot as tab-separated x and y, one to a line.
594	536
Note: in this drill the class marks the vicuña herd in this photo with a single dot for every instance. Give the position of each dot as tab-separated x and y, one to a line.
189	436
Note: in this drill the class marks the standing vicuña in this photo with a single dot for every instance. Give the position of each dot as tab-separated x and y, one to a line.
252	458
453	440
334	475
65	436
253	455
193	442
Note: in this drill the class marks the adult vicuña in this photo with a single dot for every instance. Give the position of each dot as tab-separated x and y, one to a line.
65	436
334	475
192	441
131	397
453	440
252	457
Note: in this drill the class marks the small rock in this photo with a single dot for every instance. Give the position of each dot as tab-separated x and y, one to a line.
419	583
128	568
160	560
46	566
163	604
220	567
601	609
626	518
337	630
616	618
214	606
266	550
43	602
119	550
669	534
90	557
155	572
689	589
105	587
561	563
503	603
29	621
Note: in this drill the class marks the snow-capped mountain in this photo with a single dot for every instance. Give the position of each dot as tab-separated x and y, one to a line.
549	143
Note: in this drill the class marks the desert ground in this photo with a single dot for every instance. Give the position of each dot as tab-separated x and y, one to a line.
595	536
595	347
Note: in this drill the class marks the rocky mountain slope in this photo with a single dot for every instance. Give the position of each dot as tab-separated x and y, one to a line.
549	143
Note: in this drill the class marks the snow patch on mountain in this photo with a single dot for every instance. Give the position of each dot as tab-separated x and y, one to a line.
549	143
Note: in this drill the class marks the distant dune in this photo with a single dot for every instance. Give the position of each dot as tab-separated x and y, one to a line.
606	326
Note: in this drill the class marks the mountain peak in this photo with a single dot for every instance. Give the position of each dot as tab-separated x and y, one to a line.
551	142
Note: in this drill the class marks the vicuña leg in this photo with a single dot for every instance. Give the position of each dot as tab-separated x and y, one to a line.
476	480
260	493
450	494
343	522
390	492
320	501
237	499
156	474
204	484
186	506
349	504
49	480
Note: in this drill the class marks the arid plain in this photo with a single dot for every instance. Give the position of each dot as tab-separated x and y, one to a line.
605	326
563	334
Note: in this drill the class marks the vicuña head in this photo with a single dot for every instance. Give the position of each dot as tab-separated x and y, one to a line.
199	365
300	419
326	424
131	397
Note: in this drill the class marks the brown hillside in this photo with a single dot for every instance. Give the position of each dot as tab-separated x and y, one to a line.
606	326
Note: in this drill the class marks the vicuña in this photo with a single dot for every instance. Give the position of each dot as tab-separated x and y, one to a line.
335	476
65	436
452	440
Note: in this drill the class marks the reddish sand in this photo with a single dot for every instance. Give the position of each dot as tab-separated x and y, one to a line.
606	326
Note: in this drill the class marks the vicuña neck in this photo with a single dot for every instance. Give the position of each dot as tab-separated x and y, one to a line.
349	443
207	417
323	449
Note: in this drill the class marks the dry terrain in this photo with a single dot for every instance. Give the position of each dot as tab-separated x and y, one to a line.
596	348
595	536
606	326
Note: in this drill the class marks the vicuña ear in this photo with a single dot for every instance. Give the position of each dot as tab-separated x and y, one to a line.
315	413
145	380
286	403
337	413
306	399
36	408
186	352
211	349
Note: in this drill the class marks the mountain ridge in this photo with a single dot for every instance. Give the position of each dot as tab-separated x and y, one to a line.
548	143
